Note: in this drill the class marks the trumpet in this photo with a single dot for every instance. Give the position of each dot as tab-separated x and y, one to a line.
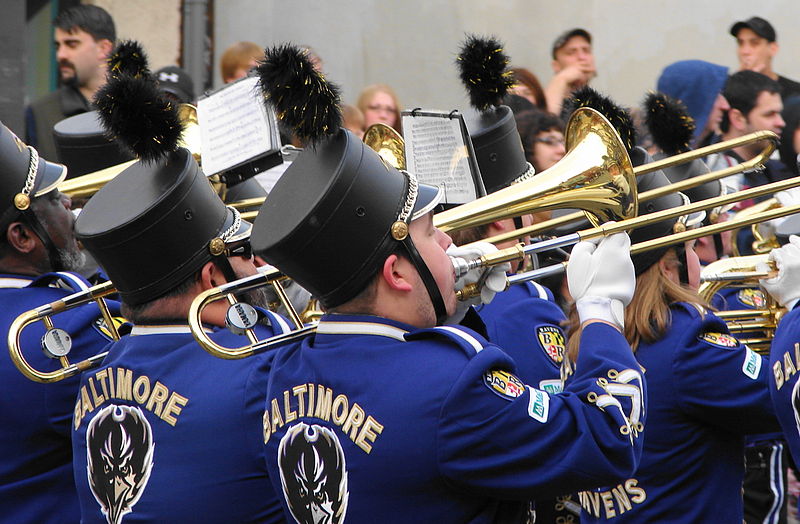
756	162
754	327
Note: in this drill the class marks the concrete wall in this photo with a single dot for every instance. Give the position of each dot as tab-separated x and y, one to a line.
154	23
411	45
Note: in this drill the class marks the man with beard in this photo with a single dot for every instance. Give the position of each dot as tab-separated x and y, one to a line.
84	38
164	430
36	248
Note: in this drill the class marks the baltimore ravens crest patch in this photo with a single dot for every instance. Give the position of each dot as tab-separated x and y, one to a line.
722	340
504	384
551	340
753	298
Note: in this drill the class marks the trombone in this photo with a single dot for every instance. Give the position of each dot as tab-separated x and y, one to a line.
56	342
754	327
518	251
756	162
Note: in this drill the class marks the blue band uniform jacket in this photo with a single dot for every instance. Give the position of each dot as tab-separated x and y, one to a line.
707	392
36	481
371	420
165	432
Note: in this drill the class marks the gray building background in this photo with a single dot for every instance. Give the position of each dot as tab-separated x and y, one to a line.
410	45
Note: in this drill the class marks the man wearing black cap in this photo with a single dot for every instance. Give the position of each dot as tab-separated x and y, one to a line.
573	67
382	416
37	246
176	83
84	38
757	45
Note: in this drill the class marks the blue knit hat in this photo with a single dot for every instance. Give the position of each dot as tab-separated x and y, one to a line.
696	83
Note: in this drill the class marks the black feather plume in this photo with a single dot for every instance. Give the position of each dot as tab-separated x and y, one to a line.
134	111
128	58
484	71
303	99
669	123
617	115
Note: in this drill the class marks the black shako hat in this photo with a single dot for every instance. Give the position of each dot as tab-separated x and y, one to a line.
335	215
484	71
25	175
156	224
83	146
498	148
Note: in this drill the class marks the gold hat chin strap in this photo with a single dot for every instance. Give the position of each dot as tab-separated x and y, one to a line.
400	226
22	200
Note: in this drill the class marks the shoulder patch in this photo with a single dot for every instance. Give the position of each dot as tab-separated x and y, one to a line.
504	384
538	405
753	298
551	385
551	340
722	340
752	364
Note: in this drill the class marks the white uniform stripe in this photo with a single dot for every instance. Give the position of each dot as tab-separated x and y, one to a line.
775	484
277	319
75	280
472	341
14	282
541	290
162	330
360	328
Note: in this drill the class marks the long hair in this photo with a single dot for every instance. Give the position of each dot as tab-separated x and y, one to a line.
647	317
528	79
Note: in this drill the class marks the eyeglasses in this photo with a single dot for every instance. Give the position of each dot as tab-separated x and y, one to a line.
388	109
551	140
241	248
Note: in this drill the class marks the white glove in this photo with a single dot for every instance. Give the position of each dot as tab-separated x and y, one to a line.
786	198
785	288
601	278
491	280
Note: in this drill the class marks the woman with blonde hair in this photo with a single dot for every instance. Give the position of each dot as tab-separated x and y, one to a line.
379	104
706	391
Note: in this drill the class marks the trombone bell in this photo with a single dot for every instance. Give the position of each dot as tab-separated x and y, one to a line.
388	143
596	175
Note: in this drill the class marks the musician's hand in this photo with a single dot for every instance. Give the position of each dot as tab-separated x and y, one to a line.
601	278
490	280
785	287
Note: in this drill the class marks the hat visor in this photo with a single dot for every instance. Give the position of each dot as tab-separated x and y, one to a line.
692	219
427	198
241	233
48	176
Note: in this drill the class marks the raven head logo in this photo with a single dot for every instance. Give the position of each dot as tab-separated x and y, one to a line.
120	457
313	474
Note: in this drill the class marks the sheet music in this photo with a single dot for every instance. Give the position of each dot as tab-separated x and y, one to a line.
235	126
436	153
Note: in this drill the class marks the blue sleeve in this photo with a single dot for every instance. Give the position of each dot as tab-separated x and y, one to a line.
719	380
783	383
521	442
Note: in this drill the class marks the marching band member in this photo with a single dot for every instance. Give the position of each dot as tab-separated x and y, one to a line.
36	251
382	415
784	353
706	392
162	431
